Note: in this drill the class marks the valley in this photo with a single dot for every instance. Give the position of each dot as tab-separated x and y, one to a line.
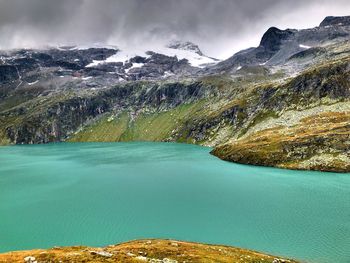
74	94
115	152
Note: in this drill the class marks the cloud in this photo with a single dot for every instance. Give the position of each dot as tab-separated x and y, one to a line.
220	27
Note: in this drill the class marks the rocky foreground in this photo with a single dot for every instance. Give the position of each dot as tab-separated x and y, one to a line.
157	251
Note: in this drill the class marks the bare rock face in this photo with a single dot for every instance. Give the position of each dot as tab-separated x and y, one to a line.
186	46
8	73
335	20
278	46
273	38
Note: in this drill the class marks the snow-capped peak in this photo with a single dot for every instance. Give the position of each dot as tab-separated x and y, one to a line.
181	50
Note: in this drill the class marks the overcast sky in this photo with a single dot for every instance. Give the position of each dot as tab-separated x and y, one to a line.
219	27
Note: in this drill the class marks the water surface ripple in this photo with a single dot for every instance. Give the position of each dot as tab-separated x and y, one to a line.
104	193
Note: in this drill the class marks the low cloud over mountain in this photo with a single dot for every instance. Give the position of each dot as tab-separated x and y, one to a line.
220	27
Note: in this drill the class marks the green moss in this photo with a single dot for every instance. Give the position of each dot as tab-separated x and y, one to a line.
107	129
160	126
145	127
4	140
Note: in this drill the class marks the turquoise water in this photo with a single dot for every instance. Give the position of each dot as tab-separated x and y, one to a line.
100	194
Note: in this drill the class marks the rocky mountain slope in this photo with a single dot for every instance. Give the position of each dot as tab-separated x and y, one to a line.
277	47
157	251
302	124
284	103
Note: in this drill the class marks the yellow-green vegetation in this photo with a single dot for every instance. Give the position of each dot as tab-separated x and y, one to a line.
152	250
3	139
158	126
260	117
319	142
19	96
106	129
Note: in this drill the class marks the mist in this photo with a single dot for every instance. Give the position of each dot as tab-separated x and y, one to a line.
219	27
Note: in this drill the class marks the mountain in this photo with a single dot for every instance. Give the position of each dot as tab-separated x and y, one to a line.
189	46
335	21
284	103
278	47
105	64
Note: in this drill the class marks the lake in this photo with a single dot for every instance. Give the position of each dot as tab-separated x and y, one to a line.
97	194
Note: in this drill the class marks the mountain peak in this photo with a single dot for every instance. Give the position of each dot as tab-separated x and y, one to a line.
335	20
273	37
185	45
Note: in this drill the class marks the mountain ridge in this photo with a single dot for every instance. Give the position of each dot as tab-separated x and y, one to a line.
50	96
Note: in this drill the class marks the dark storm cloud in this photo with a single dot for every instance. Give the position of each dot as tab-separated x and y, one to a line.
219	26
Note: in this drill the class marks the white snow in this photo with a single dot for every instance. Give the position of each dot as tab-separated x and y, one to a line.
135	65
168	74
94	63
86	78
65	49
124	55
33	83
304	46
239	67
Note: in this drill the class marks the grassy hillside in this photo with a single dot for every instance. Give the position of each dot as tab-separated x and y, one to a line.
301	124
128	126
318	142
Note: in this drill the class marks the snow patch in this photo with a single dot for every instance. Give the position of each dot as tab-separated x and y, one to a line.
239	67
125	55
168	74
304	46
94	63
33	83
134	65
